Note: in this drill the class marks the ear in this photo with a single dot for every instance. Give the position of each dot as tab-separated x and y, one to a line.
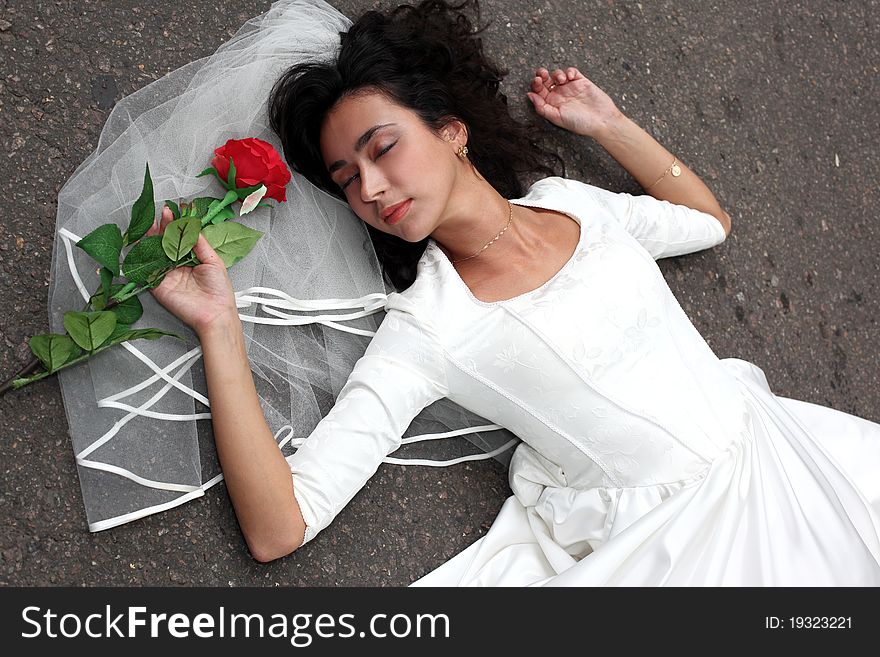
455	131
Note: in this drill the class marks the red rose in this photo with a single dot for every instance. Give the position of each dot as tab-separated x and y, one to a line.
256	163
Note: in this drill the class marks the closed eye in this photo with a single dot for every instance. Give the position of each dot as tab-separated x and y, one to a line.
385	150
378	155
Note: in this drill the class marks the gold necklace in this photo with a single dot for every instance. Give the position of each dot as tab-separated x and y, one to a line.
489	243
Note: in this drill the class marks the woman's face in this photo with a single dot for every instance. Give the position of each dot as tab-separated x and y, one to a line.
396	173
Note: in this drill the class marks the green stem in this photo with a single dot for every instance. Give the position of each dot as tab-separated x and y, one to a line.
20	378
32	365
20	383
191	260
132	293
231	197
125	290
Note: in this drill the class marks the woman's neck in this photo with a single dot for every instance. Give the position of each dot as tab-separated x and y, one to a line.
475	215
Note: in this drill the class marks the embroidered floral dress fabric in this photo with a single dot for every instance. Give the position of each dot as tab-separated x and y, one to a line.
646	459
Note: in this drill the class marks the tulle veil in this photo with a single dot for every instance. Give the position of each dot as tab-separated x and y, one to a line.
311	293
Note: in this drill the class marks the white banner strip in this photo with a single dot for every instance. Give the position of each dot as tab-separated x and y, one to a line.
101	525
124	420
146	360
461	459
68	236
192	354
143	481
450	434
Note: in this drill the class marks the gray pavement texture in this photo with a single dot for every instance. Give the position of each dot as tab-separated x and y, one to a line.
774	103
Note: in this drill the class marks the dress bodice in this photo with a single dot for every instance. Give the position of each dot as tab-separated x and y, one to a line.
584	369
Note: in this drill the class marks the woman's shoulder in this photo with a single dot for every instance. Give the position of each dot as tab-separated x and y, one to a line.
426	294
579	198
556	185
419	309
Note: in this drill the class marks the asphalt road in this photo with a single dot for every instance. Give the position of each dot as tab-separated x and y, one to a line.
774	103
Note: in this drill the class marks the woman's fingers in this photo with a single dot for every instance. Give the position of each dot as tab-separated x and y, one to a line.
545	81
167	218
206	253
158	226
154	229
543	108
537	101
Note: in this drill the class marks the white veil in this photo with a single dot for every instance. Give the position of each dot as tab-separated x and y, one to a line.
311	292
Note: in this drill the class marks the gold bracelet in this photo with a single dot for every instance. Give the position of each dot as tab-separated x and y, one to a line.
674	169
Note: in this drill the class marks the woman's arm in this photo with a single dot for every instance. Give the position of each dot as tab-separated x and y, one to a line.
571	101
257	476
647	161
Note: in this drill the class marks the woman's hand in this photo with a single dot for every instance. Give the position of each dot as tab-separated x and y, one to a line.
199	296
568	99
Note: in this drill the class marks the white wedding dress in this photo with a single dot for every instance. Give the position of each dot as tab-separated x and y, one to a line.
646	459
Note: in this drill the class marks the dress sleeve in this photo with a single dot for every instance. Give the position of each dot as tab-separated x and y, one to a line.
665	229
401	372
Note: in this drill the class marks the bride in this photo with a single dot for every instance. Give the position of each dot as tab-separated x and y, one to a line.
520	304
645	458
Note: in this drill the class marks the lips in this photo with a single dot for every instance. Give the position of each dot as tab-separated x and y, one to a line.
391	215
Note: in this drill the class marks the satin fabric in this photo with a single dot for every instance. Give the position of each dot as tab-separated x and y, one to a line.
793	503
646	459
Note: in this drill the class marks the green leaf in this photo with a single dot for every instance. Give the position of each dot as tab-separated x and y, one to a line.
231	240
106	282
53	350
143	212
214	172
98	301
146	258
90	330
203	204
127	334
230	177
104	244
175	210
180	237
127	312
118	330
199	207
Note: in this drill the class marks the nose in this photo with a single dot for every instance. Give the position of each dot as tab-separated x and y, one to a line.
373	183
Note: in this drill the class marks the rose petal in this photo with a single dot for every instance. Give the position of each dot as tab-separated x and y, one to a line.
221	164
252	200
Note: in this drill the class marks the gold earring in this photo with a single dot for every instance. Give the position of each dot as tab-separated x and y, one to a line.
462	151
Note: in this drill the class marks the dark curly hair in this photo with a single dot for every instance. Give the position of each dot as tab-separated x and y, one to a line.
428	58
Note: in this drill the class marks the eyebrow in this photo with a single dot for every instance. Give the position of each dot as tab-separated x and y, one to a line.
361	142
